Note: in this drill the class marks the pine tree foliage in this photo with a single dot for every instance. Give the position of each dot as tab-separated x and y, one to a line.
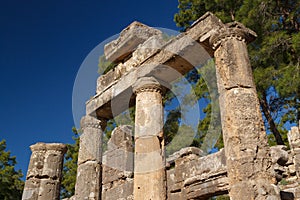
70	167
11	185
274	55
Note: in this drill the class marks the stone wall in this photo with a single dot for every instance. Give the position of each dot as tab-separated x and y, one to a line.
290	184
117	177
190	173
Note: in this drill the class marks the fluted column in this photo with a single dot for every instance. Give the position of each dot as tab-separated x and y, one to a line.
44	172
149	161
246	146
89	171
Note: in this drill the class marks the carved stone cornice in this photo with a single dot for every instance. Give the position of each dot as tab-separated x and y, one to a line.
92	122
234	30
147	84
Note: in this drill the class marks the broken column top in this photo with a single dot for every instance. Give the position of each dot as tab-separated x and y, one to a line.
40	146
136	33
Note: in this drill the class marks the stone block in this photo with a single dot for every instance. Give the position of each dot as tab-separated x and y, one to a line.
90	145
175	196
119	159
31	189
206	188
129	39
144	51
121	138
150	185
192	165
53	164
279	154
49	189
106	80
148	155
88	181
183	152
36	164
123	191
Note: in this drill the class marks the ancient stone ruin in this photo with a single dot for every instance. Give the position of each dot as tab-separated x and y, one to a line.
135	166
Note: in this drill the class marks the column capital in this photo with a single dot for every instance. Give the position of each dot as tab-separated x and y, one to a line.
92	122
40	146
233	30
149	84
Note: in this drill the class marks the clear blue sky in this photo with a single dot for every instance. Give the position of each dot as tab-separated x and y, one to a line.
42	46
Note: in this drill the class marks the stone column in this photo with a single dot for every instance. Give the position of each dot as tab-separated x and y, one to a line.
294	141
246	147
89	172
44	172
149	160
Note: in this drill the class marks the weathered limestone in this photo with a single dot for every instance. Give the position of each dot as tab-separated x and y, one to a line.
196	177
135	34
117	175
294	140
149	160
88	181
143	52
182	54
246	169
44	172
246	148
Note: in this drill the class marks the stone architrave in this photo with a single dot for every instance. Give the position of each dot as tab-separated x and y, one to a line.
246	148
149	160
89	173
44	172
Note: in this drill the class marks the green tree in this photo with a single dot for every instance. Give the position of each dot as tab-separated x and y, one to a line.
11	185
70	167
274	54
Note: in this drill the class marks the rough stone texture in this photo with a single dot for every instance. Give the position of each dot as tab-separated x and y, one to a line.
88	180
294	140
183	152
142	53
123	191
195	177
44	172
279	154
181	54
149	160
118	165
247	168
247	151
290	172
135	34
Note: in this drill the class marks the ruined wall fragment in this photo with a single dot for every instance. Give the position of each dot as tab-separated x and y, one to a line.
117	177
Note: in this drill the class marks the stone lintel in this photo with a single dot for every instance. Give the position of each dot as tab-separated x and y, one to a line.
180	55
132	36
142	53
